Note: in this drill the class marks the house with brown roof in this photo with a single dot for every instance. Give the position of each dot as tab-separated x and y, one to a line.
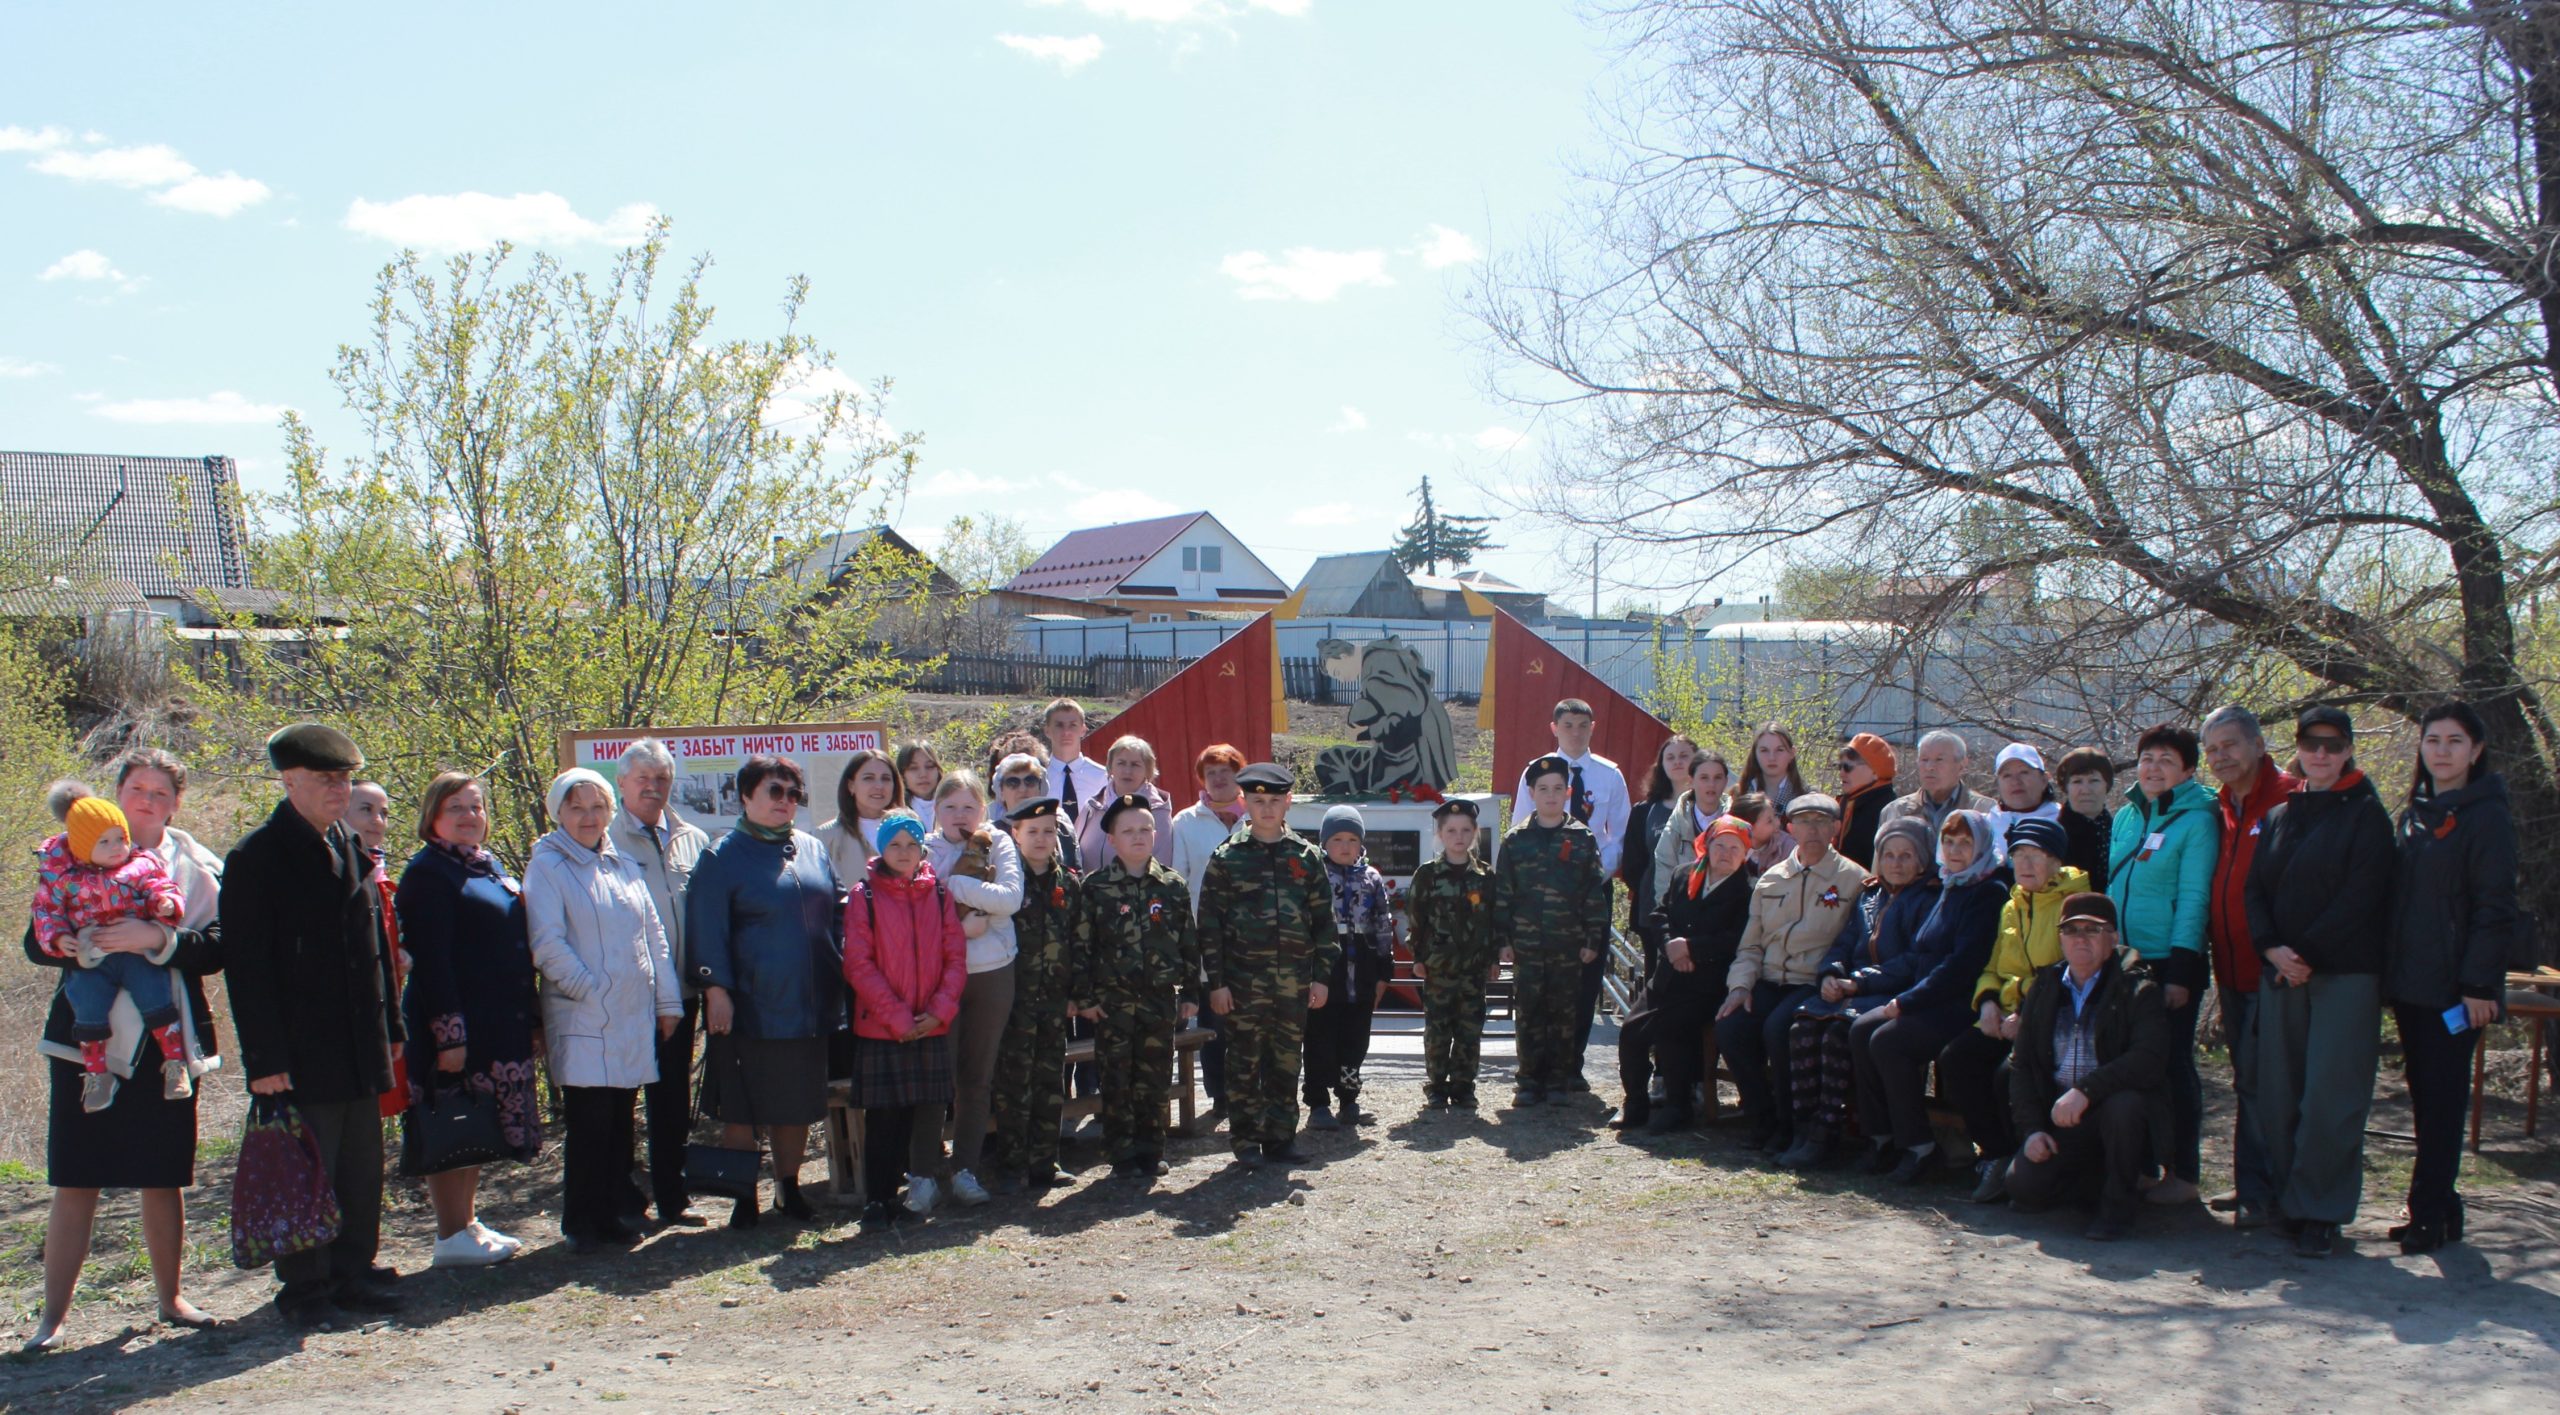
1172	567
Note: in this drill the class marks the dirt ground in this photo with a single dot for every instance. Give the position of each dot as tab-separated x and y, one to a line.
1506	1261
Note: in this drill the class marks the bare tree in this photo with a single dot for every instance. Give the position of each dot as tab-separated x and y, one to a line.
2229	326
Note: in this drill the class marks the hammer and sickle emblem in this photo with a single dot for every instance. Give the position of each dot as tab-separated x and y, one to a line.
1537	668
1226	670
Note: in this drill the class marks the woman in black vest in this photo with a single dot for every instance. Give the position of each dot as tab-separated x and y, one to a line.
2453	923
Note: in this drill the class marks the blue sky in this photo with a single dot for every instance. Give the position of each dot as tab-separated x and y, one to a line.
1122	256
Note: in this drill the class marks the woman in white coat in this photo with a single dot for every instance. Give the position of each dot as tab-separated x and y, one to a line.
610	992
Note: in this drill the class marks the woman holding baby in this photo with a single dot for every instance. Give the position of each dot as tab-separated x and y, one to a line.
143	1134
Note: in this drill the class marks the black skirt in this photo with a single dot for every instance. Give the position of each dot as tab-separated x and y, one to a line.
760	1081
891	1074
141	1141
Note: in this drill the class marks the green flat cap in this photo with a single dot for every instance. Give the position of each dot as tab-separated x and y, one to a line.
314	746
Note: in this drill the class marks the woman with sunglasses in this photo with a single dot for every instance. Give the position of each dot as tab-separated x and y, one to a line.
1021	778
766	936
2319	895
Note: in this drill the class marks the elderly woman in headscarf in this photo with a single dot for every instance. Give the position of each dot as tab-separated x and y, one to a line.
1892	1046
610	993
1865	969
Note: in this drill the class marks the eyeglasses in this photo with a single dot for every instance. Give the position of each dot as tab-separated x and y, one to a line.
2323	746
1846	763
2083	930
1010	782
785	791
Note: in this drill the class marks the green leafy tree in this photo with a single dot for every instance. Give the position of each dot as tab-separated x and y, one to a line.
573	508
984	552
1435	538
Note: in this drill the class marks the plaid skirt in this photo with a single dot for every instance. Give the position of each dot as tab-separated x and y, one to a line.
889	1074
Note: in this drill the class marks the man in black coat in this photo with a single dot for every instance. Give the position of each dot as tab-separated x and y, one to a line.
312	998
2088	1080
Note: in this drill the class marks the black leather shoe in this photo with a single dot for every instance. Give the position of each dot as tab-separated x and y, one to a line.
1286	1152
1633	1115
1916	1166
1880	1158
358	1297
2317	1240
1047	1176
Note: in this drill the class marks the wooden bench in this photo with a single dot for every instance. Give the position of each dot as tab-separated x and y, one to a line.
844	1119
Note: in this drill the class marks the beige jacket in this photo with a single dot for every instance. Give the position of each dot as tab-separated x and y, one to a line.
1797	913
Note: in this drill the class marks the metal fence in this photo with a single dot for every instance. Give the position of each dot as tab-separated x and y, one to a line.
1038	676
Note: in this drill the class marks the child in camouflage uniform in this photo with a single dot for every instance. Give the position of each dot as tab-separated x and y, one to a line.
1451	906
1030	1065
1551	917
1141	960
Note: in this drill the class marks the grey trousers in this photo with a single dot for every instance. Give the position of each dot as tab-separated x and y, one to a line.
976	1035
2313	1062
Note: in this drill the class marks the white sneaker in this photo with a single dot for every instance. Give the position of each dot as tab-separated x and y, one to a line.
492	1238
922	1194
465	1250
966	1188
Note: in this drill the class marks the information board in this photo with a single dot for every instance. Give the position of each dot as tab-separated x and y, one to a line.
708	758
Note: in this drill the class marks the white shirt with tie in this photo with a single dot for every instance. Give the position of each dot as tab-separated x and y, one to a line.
1069	786
1607	788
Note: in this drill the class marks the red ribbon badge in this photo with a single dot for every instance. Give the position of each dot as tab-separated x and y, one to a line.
2447	828
1057	896
1830	898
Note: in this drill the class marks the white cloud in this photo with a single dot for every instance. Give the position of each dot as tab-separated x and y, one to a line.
223	408
951	482
1330	513
155	165
800	399
1100	506
172	180
470	220
24	368
1442	248
1175	12
89	266
1303	273
32	139
1069	54
1500	439
1352	420
226	195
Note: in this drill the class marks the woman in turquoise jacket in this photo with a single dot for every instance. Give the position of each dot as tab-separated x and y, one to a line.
2161	854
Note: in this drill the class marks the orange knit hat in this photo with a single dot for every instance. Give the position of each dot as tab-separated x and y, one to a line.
1876	752
89	818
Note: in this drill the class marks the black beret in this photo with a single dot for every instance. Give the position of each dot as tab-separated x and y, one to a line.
313	746
1112	812
2333	718
1041	809
1552	763
1454	806
2043	834
1265	779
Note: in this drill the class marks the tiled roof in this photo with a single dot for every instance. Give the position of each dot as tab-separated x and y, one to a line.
1343	584
830	557
74	599
1095	560
167	524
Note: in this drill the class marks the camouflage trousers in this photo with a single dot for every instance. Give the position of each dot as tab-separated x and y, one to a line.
1030	1086
1452	1029
1546	992
1134	1046
1266	1034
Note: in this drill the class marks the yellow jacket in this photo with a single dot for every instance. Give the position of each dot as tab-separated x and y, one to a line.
2030	938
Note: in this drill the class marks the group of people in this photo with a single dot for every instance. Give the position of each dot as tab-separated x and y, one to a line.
937	943
2047	957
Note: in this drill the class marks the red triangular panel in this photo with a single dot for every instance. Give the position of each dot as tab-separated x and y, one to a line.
1225	697
1535	676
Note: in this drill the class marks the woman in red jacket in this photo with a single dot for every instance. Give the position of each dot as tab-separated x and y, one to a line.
907	961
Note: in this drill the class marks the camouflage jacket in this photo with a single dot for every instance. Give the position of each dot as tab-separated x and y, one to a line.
1044	932
1135	935
1549	894
1266	909
1451	907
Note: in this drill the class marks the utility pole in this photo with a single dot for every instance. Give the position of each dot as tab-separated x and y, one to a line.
1595	578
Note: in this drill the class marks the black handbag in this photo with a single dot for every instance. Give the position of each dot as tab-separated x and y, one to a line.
714	1170
450	1127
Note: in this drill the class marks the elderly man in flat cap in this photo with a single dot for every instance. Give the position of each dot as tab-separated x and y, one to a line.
313	998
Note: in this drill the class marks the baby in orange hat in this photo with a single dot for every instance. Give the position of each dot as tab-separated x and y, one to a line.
90	875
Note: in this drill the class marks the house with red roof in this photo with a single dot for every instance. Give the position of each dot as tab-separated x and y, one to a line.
1172	567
